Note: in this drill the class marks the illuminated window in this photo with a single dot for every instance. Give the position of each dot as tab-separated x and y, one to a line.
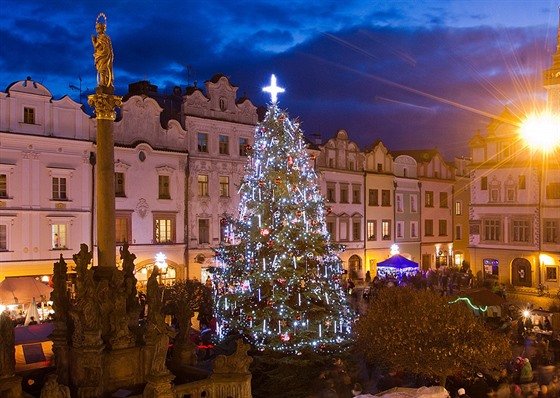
386	229
58	236
28	115
119	185
59	188
202	185
203	142
429	198
3	185
372	230
224	186
223	145
458	208
163	187
164	228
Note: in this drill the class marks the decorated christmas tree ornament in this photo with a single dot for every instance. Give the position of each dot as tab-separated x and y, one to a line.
281	277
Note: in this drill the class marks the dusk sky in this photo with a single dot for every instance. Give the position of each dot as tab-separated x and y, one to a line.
415	74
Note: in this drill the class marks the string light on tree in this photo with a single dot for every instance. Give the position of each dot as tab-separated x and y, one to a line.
281	271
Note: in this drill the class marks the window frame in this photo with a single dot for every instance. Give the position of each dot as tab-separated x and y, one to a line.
205	229
223	146
429	227
202	142
224	186
165	216
429	199
386	229
127	217
29	115
386	197
442	227
203	186
371	227
120	193
163	191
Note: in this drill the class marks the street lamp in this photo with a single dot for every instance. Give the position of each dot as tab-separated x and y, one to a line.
541	133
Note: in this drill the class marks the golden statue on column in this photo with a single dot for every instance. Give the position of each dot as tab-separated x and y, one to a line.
103	53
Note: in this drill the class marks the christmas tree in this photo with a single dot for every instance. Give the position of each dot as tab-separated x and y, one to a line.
279	282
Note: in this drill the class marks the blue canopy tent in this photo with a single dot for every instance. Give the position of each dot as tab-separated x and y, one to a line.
396	266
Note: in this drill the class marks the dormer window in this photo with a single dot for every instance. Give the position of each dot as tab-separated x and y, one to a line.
28	115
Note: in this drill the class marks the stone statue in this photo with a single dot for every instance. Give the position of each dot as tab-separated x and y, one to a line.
7	347
51	389
103	53
158	332
130	280
59	295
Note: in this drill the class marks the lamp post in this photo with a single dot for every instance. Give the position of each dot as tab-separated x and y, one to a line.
541	133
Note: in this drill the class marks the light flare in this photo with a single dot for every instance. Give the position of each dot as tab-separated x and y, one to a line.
541	131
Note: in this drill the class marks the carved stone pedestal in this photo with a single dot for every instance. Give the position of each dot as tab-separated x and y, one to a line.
87	371
159	386
10	387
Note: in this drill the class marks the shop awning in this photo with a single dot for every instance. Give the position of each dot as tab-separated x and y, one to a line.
22	289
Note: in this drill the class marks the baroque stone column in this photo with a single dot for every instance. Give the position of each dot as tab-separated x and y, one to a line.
104	103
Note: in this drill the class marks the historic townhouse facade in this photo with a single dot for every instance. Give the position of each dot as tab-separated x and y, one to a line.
340	164
379	200
220	131
407	207
461	201
436	179
515	208
515	199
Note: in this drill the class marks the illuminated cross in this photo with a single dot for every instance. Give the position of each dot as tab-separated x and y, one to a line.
273	89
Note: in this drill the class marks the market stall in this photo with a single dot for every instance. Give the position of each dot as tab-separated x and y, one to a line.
22	294
395	267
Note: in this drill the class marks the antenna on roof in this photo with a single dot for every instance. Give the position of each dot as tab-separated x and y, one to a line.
189	74
79	89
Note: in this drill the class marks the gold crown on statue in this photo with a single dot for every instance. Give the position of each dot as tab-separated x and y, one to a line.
101	15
